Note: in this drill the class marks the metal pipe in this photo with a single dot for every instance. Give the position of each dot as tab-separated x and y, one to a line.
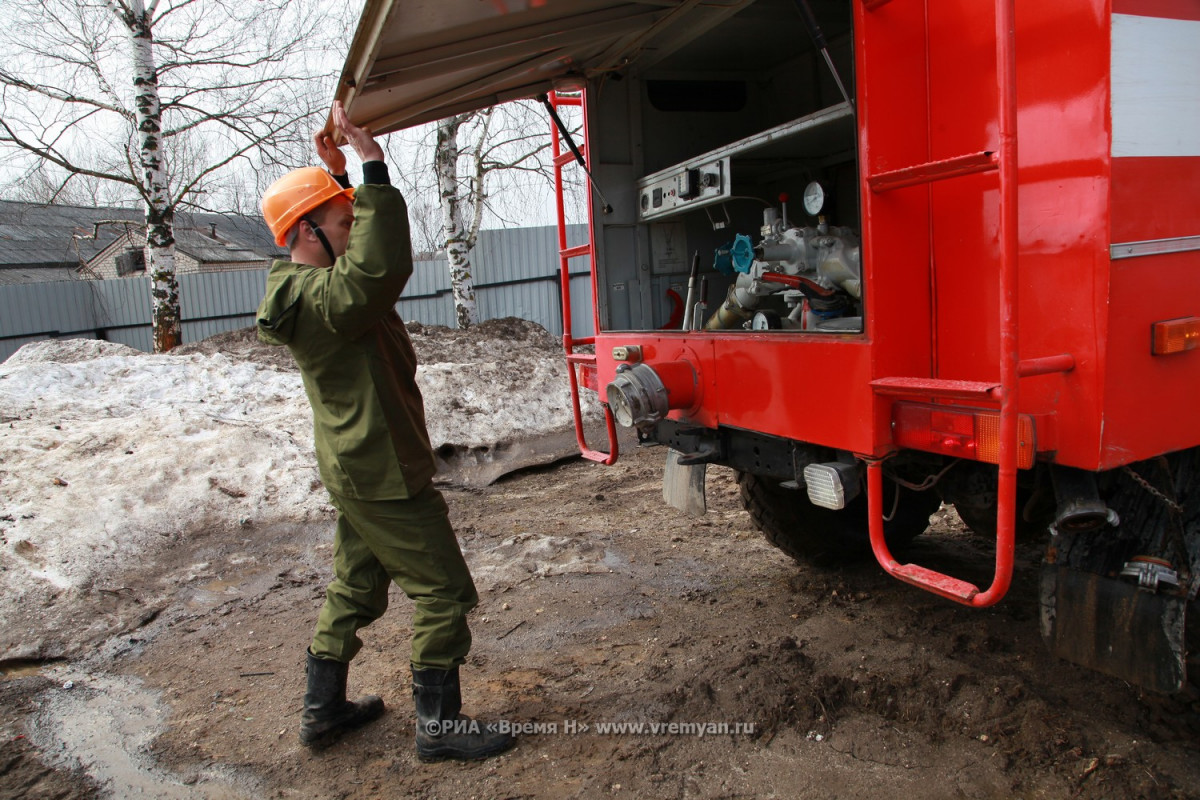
691	292
1010	354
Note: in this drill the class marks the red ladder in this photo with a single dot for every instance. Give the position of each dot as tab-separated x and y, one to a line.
1006	392
577	362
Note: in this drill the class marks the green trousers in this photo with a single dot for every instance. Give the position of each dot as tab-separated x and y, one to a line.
409	542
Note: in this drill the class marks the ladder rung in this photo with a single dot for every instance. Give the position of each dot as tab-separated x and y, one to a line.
924	387
934	171
575	252
581	358
567	157
871	5
936	582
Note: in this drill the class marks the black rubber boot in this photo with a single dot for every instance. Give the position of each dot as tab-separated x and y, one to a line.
443	732
327	713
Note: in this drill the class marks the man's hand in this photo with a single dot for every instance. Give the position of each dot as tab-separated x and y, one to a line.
335	159
359	138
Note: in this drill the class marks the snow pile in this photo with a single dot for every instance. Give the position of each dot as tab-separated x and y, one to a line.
500	382
110	455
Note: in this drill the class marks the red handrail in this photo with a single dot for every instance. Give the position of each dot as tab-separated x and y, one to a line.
1010	365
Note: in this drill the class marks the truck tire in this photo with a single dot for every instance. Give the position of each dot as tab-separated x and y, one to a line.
1146	522
820	536
1148	527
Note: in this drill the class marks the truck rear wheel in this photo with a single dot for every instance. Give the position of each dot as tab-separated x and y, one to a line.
814	535
1158	504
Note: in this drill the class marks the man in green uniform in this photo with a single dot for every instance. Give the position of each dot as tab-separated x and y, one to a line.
333	305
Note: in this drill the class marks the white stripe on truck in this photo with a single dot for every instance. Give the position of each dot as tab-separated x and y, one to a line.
1155	86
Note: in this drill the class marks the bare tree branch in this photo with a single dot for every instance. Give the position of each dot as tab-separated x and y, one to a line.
49	92
57	159
165	98
189	187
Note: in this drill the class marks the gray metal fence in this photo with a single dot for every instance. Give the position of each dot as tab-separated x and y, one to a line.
516	274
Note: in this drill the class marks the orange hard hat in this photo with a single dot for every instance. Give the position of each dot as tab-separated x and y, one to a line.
288	199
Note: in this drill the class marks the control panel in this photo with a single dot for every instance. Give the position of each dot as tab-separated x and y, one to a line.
683	187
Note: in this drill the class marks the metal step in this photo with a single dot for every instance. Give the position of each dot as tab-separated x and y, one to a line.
937	387
931	171
575	252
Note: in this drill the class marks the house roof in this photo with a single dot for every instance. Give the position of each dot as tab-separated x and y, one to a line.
34	236
41	242
206	246
10	276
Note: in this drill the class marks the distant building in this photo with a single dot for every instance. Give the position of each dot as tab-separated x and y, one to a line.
54	243
196	250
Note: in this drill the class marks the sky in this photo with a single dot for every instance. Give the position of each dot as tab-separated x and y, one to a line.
109	455
235	188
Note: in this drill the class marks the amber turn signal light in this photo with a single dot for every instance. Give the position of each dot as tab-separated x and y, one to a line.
1175	336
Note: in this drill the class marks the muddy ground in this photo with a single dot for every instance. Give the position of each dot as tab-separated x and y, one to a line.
599	605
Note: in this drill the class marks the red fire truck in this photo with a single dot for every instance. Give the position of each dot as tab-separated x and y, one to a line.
877	255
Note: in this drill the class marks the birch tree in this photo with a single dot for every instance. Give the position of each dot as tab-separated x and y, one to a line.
164	97
458	238
490	165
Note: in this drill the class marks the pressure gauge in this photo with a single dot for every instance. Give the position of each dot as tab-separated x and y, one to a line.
766	321
814	198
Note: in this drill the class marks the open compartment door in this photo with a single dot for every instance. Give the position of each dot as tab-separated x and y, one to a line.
415	62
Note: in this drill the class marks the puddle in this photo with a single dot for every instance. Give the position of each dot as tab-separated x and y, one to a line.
106	726
11	670
231	584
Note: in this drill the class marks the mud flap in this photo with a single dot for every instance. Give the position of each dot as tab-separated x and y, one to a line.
1112	626
683	485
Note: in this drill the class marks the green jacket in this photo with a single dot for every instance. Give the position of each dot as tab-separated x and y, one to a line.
355	357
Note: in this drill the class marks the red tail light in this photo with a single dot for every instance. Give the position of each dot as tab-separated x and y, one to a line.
961	432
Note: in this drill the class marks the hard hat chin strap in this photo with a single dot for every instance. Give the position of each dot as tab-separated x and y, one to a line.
321	236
